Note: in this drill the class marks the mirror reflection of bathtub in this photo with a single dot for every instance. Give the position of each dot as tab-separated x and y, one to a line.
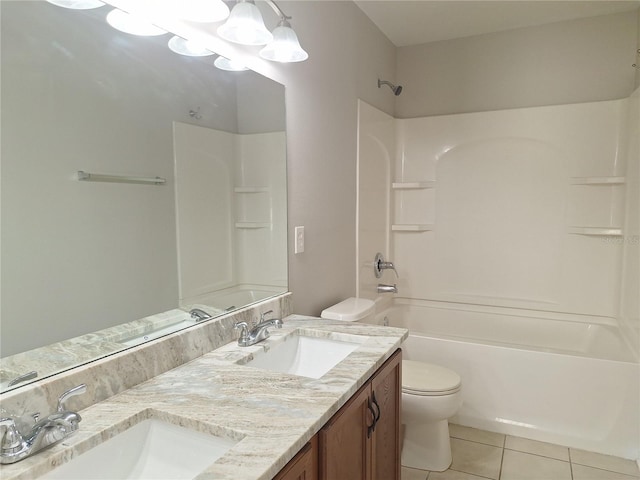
558	378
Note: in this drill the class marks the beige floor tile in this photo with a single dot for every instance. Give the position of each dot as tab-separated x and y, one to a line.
524	466
537	448
453	475
604	462
476	458
581	472
476	435
413	474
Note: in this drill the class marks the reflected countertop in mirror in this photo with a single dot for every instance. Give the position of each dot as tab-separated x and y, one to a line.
79	259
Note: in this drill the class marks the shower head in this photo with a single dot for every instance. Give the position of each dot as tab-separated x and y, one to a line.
396	89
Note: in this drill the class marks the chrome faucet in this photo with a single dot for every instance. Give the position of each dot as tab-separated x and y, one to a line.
199	315
382	288
379	265
259	332
15	445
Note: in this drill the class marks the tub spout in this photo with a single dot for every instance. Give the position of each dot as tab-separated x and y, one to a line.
387	288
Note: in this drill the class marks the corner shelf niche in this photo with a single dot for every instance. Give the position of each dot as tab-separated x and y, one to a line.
412	227
605	181
596	231
597	181
252	225
413	185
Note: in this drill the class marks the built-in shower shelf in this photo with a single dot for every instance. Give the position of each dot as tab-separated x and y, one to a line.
252	225
597	180
413	185
250	189
412	227
596	231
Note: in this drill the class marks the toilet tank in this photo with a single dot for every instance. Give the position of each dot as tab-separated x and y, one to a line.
351	310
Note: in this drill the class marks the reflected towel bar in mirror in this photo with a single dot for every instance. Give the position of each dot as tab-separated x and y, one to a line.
98	177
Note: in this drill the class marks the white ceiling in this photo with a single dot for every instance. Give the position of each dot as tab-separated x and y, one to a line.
415	22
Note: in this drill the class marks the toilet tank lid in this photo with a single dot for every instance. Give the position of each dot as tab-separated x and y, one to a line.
349	310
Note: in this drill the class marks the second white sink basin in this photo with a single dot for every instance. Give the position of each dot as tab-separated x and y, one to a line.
152	449
303	355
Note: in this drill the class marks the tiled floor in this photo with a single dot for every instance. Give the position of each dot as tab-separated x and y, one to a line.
479	455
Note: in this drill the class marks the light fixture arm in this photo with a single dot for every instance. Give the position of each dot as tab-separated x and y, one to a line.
277	9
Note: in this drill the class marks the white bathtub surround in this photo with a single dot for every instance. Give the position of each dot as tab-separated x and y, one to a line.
583	394
271	415
514	233
231	200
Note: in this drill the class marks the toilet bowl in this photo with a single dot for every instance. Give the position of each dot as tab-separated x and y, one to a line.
430	396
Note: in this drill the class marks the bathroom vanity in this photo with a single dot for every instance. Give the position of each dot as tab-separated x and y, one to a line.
344	424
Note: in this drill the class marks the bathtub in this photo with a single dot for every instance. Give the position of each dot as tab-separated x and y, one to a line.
563	379
234	297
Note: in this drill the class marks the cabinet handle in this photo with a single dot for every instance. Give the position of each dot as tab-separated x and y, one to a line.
371	428
377	416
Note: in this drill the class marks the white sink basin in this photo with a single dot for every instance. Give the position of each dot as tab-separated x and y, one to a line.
304	356
152	449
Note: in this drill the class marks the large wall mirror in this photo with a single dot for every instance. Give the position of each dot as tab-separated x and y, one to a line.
92	267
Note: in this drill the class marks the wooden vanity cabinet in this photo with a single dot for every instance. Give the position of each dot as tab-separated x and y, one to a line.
304	466
362	440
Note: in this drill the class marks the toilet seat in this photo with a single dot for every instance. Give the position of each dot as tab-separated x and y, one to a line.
427	379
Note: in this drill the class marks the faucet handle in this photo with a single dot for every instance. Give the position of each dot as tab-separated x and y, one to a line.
244	329
11	439
72	392
264	314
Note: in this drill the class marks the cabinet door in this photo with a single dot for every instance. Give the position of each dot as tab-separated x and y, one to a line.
344	443
304	466
386	388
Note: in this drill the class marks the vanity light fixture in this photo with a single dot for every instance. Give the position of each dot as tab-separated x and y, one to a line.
224	63
188	47
132	24
284	47
246	26
77	4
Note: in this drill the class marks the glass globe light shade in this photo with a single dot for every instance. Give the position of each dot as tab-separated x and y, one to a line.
188	47
132	24
245	25
285	46
223	63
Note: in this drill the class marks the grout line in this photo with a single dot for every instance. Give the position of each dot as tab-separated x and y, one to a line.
539	455
630	477
469	473
570	466
501	460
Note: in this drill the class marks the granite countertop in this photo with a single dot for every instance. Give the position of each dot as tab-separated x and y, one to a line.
272	415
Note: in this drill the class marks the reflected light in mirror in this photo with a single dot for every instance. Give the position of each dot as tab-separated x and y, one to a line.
188	47
132	24
77	4
224	63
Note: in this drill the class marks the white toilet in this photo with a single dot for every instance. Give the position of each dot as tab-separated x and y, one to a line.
430	395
